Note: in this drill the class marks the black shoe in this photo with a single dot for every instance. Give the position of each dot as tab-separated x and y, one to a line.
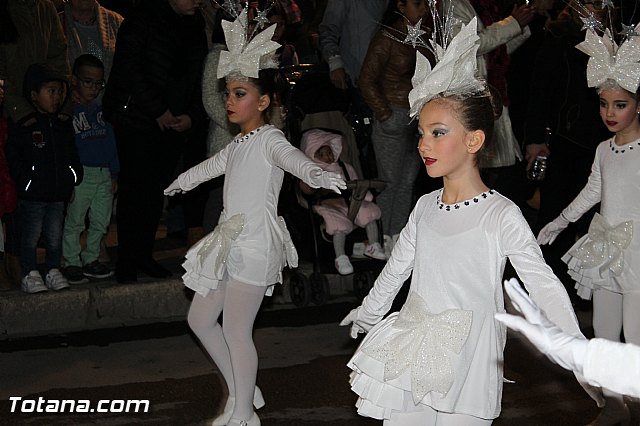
154	269
126	274
96	269
74	275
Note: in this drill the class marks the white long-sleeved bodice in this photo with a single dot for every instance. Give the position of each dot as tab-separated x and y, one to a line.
254	167
457	254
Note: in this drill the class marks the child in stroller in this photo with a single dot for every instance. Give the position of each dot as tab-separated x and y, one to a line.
324	147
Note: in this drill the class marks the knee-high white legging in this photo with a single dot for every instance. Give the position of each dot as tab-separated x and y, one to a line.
613	312
230	345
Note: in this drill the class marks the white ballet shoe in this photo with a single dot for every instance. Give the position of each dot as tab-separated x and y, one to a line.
225	417
253	421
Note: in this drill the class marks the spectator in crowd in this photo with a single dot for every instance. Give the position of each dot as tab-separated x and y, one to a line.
97	151
345	32
498	39
154	100
286	53
221	130
385	83
30	32
562	102
7	199
324	149
90	28
45	166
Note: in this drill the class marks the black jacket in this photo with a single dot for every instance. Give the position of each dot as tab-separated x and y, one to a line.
559	96
43	159
157	66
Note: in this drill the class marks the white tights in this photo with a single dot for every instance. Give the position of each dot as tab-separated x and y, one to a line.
230	345
430	417
613	312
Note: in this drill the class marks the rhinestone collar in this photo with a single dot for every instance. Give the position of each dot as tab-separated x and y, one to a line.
621	149
465	203
248	135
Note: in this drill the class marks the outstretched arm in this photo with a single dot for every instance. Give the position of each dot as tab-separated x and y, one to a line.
208	169
289	158
603	363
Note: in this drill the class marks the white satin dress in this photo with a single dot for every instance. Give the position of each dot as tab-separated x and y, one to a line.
608	256
445	349
250	243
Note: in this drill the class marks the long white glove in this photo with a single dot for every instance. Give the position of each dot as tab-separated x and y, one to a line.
550	232
562	348
329	180
173	188
361	320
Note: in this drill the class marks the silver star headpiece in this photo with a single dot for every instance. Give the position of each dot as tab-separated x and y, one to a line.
247	54
629	31
261	18
414	32
454	73
607	61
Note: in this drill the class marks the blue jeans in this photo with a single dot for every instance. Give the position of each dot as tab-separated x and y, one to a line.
41	218
394	142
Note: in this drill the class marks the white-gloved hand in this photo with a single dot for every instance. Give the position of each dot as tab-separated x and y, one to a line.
360	320
328	180
174	188
550	232
564	349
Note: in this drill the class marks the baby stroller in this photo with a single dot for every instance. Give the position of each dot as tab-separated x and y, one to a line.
328	213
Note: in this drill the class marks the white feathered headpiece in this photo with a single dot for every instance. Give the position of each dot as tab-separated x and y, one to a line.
609	62
454	72
246	56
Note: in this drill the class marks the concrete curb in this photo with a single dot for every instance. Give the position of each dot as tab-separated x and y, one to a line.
90	306
107	304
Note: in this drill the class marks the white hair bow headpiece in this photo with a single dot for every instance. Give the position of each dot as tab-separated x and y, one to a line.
246	58
609	62
454	72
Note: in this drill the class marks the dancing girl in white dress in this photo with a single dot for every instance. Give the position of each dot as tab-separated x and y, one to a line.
233	267
606	261
439	361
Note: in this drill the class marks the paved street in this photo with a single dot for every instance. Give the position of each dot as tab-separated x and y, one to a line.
302	374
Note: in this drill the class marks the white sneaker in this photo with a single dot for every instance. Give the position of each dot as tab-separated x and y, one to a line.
55	280
343	265
375	251
33	283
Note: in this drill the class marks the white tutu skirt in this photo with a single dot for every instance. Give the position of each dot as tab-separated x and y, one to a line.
408	358
205	261
377	398
589	278
597	259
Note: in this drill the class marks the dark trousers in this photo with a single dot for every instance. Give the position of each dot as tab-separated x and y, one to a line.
148	158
